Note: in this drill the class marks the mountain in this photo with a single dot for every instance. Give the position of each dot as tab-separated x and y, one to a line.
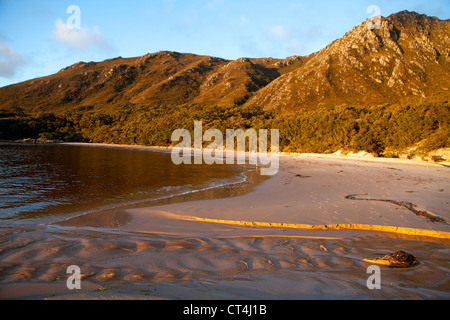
164	78
406	60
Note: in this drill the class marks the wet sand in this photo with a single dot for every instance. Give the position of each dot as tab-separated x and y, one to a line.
280	241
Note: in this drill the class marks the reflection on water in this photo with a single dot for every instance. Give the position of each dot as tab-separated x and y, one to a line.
53	179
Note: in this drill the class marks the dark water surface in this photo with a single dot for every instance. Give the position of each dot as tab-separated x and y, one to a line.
47	180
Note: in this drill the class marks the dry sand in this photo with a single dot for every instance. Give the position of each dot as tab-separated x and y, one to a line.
261	245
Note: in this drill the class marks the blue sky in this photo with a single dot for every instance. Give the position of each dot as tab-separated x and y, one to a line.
35	39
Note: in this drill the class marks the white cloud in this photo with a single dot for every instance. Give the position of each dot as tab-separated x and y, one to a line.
80	39
10	61
280	33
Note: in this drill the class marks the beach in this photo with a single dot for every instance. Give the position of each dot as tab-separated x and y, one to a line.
301	234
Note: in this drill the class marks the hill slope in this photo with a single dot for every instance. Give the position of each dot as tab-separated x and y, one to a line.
407	60
162	78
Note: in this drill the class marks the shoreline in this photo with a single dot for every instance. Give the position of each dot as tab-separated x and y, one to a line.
361	156
293	158
226	248
283	188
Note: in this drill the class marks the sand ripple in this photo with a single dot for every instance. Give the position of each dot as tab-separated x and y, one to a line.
228	266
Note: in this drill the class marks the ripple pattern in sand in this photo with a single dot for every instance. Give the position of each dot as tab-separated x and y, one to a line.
116	258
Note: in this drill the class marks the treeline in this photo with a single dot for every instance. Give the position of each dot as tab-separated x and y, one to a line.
380	130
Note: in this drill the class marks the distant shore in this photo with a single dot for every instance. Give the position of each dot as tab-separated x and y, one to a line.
362	155
338	155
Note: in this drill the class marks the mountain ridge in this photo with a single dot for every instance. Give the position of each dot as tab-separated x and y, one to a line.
392	64
406	60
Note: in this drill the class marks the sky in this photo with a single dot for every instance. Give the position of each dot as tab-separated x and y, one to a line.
41	37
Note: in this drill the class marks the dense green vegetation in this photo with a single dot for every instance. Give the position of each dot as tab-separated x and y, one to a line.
381	130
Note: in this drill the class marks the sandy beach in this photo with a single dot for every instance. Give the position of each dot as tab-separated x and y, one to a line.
301	234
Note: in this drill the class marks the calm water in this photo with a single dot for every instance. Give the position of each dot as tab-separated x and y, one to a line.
44	180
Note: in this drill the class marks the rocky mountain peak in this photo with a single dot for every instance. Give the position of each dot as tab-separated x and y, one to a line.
405	59
411	19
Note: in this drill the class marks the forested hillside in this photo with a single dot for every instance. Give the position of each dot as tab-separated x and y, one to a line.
381	130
